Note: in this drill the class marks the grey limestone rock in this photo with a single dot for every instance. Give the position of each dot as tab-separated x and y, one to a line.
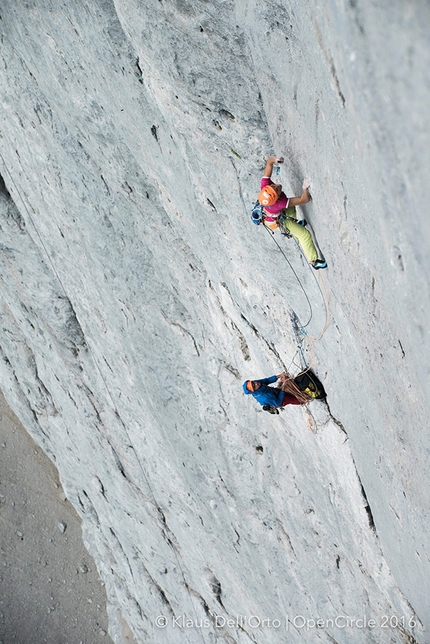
136	296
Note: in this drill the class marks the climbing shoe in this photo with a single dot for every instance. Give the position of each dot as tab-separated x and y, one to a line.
302	222
320	263
271	409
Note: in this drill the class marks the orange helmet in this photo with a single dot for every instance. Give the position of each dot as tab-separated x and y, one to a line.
268	196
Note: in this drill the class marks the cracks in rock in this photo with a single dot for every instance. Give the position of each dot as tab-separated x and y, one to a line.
237	542
3	188
224	487
284	536
334	419
72	325
211	204
63	307
367	505
36	420
154	132
142	615
409	638
45	404
15	216
102	488
140	75
215	586
88	507
106	184
158	590
212	616
239	184
230	369
50	407
168	535
236	154
345	203
317	112
397	517
330	61
269	345
243	343
108	365
201	599
332	640
336	82
363	492
81	504
122	551
185	331
118	463
92	400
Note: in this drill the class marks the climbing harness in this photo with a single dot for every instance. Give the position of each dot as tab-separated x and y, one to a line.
282	225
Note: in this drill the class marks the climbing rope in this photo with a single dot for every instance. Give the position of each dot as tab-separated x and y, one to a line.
271	233
321	287
300	330
323	290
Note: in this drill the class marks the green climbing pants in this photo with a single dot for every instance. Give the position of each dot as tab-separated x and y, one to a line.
300	233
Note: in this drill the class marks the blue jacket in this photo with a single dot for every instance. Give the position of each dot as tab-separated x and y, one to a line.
266	395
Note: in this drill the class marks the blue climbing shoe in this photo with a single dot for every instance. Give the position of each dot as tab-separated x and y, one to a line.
319	263
302	222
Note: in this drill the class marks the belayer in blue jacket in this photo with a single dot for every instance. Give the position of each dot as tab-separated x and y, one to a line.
272	396
291	390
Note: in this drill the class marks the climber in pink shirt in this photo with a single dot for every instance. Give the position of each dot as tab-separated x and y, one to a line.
276	204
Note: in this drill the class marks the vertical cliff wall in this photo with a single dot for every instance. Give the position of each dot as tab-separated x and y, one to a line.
136	296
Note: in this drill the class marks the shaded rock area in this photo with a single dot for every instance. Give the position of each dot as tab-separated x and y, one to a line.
136	296
49	587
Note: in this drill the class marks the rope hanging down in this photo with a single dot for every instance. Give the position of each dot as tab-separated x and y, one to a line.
271	233
322	290
300	331
324	296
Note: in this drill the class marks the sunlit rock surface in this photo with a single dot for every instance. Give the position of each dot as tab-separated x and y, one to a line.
136	296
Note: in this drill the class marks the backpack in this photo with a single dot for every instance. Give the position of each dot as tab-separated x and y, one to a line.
309	384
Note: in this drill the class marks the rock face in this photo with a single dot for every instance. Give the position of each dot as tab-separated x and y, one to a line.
136	296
